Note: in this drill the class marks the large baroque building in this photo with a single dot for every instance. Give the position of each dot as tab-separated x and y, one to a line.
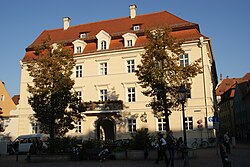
107	54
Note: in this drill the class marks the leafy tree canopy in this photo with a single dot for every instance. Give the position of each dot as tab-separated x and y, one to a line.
55	105
160	73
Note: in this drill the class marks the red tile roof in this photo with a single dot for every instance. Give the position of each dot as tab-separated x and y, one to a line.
182	30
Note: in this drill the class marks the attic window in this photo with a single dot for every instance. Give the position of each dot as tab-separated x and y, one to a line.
136	27
83	35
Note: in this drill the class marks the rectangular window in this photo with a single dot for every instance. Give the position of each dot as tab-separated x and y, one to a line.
184	60
78	127
136	27
78	49
79	95
83	35
189	123
103	68
35	128
130	66
132	125
129	43
161	124
131	94
79	71
1	97
103	94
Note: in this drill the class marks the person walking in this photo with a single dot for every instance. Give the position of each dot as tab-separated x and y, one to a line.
171	147
162	147
226	142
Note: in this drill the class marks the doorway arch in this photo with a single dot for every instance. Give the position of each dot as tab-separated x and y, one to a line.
105	129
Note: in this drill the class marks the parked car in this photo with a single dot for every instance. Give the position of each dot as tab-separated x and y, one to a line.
25	143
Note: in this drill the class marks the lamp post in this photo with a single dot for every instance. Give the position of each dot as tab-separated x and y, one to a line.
182	97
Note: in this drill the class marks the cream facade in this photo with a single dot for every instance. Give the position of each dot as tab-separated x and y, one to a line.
107	74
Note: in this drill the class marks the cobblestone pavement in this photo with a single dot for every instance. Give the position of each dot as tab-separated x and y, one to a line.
205	158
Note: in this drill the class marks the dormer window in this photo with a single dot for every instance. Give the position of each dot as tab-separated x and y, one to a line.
79	46
83	35
103	45
136	27
129	43
103	40
129	39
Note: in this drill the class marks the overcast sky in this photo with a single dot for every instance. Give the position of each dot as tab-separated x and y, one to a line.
227	23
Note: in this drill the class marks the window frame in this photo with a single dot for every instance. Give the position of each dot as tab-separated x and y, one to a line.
131	95
79	71
131	125
189	124
162	124
130	65
103	67
103	94
184	60
136	27
104	45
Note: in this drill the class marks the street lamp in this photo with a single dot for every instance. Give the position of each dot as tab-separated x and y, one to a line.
182	97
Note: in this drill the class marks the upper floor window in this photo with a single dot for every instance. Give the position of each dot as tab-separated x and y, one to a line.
184	60
131	94
104	68
79	95
78	49
132	125
130	66
136	27
161	124
78	71
129	43
189	123
83	35
103	45
1	97
103	94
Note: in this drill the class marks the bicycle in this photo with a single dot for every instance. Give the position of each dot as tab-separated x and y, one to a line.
202	144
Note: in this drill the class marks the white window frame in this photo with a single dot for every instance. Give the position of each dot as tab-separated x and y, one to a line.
78	127
130	65
83	35
2	97
184	60
103	94
79	95
129	42
104	45
131	125
103	66
78	49
131	95
35	128
79	71
161	124
136	27
189	123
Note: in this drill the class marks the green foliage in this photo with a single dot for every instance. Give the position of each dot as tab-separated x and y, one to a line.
55	105
140	140
1	121
160	73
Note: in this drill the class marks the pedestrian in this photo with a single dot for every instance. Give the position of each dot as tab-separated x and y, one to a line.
162	147
171	147
226	142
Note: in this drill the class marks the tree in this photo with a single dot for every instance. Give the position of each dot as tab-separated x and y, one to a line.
56	106
160	73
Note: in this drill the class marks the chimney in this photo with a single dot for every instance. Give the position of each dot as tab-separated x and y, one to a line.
66	21
132	11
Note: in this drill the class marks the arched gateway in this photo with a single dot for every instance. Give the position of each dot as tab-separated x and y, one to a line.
105	129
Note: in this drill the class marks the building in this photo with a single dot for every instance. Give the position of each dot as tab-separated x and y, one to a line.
234	110
107	54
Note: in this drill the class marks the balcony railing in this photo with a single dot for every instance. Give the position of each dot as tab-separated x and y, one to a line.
103	105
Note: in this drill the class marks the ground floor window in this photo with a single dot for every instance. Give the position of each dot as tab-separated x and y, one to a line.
189	123
161	124
78	127
131	125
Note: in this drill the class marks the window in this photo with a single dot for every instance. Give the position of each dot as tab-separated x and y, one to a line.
78	127
2	98
103	45
83	35
103	95
35	128
78	71
78	49
189	123
129	43
132	125
184	60
161	124
79	95
103	68
131	94
136	27
131	66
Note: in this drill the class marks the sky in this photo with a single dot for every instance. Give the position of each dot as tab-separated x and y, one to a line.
226	23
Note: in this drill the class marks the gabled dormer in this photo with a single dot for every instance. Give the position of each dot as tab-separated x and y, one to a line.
129	39
79	46
103	40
